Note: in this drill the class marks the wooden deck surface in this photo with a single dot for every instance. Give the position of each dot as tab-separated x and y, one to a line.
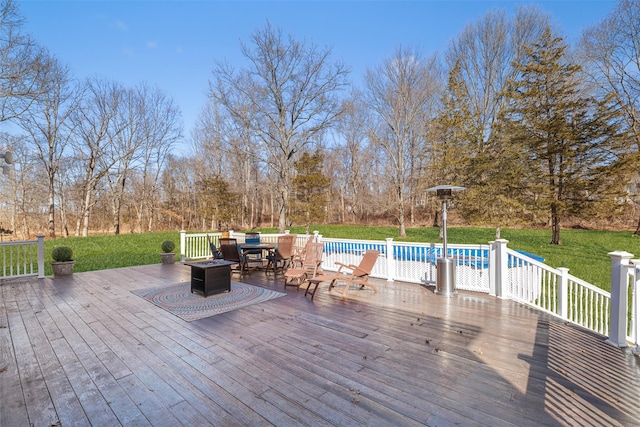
84	350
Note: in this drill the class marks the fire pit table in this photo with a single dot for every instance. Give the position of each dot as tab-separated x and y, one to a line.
210	277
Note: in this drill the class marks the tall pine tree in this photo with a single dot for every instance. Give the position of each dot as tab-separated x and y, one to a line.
571	142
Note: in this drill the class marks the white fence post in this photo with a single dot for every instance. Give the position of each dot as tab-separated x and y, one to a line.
635	316
40	256
498	264
563	293
391	262
183	241
619	295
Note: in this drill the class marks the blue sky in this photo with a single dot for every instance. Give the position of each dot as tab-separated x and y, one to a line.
174	44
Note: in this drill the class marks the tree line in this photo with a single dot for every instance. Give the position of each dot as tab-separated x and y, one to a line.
538	131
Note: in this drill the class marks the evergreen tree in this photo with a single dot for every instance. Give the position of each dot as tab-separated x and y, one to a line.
489	169
310	189
454	133
571	142
218	202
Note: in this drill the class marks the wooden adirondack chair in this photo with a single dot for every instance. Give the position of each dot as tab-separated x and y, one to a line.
349	274
310	266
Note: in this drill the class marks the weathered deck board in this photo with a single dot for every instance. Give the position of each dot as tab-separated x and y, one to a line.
84	350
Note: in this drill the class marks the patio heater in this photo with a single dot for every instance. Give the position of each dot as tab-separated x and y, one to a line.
445	266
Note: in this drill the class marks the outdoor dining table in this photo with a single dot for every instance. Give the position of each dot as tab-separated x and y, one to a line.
264	247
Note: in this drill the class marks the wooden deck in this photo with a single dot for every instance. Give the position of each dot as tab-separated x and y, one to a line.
86	351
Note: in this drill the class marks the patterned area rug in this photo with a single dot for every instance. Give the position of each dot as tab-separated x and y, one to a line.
179	300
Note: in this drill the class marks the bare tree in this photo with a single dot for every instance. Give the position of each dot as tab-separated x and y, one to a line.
161	131
291	88
349	163
484	53
126	146
208	137
22	62
96	126
150	126
226	147
47	125
611	52
23	190
399	94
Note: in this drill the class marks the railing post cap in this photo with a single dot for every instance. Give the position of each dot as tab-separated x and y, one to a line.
389	239
620	254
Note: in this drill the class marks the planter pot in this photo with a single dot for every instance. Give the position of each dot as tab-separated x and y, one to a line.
62	268
168	258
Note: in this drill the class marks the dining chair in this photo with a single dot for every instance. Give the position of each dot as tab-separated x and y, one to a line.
230	252
280	258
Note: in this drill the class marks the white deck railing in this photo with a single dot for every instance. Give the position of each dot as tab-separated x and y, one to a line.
22	258
492	268
633	284
196	245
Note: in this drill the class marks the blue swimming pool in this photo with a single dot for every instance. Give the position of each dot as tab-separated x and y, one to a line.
473	257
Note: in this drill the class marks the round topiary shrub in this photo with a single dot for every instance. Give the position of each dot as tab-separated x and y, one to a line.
62	254
168	246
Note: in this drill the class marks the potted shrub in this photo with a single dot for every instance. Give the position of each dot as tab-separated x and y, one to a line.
168	255
63	261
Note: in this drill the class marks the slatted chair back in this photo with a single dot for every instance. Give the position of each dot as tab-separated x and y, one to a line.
284	249
313	257
230	252
228	241
366	264
310	266
283	252
298	252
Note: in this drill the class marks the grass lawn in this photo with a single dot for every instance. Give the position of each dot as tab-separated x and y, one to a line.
104	252
583	252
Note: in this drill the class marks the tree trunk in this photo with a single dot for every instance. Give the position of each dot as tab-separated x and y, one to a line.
86	213
555	225
401	212
52	211
63	212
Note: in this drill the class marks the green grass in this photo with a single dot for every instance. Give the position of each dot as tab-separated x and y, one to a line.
104	252
583	252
